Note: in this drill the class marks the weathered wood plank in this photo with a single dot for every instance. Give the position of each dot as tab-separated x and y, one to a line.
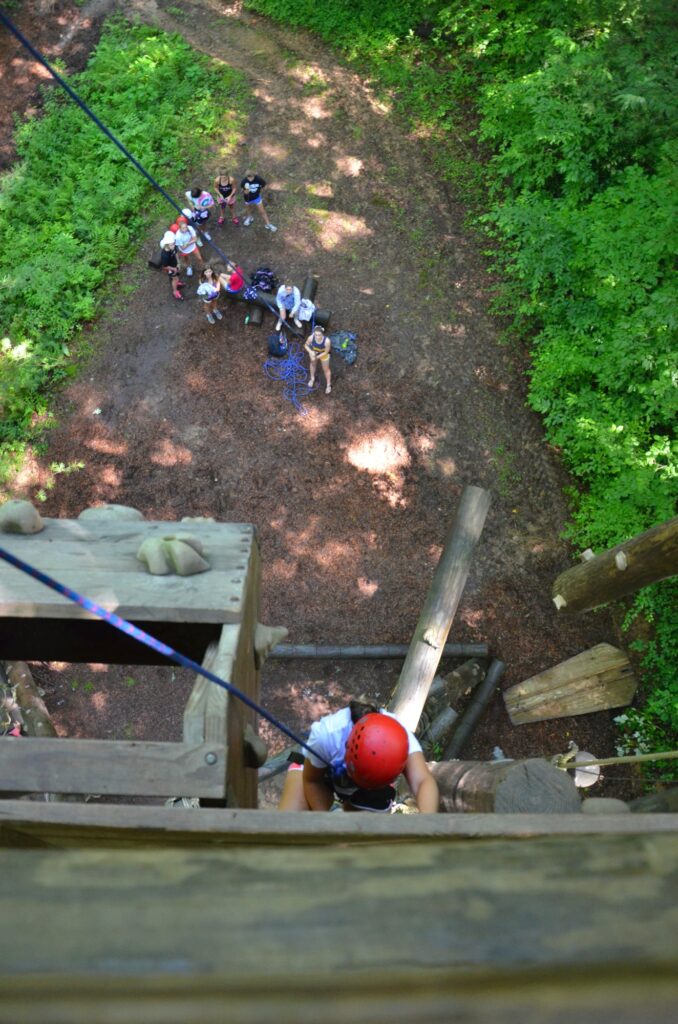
111	768
29	823
208	597
550	902
205	712
99	561
439	609
399	995
592	681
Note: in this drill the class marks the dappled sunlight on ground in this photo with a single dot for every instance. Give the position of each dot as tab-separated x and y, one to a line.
351	166
169	454
367	588
334	228
107	447
316	419
384	455
323	189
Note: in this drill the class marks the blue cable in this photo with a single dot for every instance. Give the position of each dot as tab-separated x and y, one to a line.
291	371
109	134
157	645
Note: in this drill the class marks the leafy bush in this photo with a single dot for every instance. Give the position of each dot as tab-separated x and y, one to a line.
73	208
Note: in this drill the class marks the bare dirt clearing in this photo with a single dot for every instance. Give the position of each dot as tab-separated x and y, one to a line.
352	501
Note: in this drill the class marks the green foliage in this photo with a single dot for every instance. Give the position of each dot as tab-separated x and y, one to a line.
73	207
575	104
652	727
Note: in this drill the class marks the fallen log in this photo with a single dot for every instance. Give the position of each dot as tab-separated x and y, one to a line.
513	787
440	607
474	710
37	721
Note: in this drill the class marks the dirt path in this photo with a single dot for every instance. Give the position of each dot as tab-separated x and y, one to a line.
352	501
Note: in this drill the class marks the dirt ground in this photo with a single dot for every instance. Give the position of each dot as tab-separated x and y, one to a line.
352	500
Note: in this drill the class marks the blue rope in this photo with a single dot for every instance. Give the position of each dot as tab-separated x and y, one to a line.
109	134
291	371
157	645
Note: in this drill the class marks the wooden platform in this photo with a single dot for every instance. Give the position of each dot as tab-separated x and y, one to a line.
98	559
250	916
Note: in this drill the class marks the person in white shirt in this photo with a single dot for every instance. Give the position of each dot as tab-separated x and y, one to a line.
288	300
355	756
186	241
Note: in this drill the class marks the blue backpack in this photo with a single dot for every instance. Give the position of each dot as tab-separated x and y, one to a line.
345	344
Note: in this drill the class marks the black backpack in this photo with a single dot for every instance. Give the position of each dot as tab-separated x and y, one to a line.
265	279
277	345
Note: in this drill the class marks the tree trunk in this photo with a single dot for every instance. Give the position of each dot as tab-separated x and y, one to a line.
439	608
646	558
505	787
33	708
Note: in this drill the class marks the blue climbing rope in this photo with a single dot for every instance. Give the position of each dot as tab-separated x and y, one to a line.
290	370
9	24
157	645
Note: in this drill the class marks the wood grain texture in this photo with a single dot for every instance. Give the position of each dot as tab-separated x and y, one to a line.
98	560
401	995
594	680
111	768
440	606
644	559
554	902
25	823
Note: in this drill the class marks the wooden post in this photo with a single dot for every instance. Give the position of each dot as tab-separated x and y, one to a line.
512	787
474	710
440	607
645	559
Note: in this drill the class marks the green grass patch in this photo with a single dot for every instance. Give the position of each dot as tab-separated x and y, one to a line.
73	208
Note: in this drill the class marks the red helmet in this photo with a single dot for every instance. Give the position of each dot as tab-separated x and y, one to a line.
376	751
182	220
174	228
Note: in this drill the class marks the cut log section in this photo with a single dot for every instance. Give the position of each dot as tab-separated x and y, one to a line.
505	787
622	570
595	680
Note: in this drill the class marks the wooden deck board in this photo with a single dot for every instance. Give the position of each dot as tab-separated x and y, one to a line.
99	561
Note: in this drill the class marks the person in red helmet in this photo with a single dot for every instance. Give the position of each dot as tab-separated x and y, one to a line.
357	755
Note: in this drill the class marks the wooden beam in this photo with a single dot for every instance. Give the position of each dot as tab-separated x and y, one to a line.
111	768
29	823
398	994
644	559
440	607
594	680
541	903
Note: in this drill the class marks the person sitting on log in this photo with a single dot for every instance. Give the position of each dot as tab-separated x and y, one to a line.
367	749
288	300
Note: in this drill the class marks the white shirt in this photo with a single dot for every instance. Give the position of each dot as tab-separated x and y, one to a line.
329	735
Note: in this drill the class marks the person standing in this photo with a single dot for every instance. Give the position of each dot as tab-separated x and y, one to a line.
319	346
225	187
200	203
187	245
208	290
168	261
252	187
288	301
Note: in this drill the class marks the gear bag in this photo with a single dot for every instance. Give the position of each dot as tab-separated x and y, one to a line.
345	344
